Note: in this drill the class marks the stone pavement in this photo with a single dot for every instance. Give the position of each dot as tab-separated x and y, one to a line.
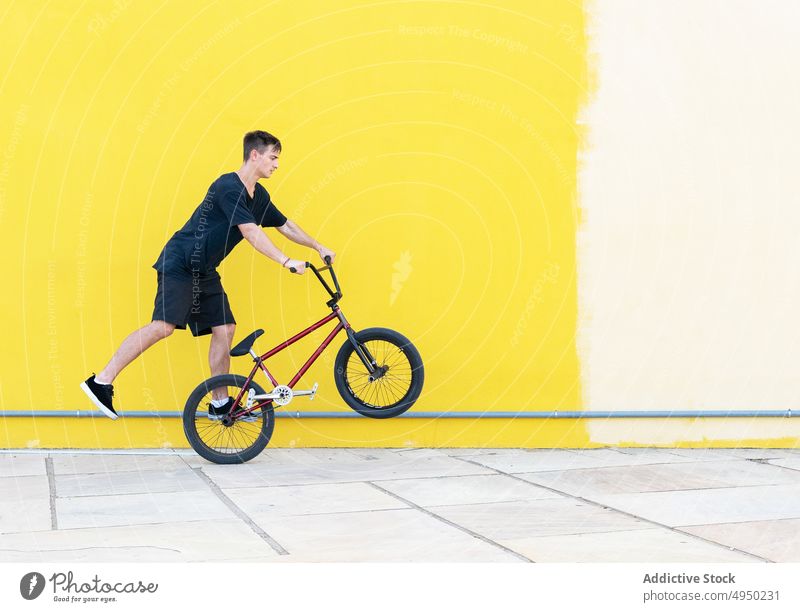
406	505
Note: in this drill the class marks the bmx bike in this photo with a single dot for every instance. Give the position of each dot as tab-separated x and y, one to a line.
378	373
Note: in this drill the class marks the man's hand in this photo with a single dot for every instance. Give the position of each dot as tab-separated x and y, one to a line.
299	266
293	232
325	252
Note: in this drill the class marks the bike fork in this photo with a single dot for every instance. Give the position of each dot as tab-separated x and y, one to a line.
363	354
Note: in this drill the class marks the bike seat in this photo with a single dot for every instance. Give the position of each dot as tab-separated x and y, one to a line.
245	345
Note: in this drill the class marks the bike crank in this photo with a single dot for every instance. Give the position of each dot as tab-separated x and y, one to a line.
283	395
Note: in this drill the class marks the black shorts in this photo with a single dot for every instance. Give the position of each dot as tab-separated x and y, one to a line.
199	302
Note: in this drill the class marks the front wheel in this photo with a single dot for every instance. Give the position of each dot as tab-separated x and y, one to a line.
395	384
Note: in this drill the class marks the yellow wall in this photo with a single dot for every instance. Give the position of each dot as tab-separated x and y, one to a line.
433	145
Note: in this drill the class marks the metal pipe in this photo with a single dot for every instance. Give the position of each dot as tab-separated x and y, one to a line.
643	414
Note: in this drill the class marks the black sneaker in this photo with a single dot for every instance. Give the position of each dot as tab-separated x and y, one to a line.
216	414
101	395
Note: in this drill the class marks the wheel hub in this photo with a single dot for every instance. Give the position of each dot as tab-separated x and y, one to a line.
378	373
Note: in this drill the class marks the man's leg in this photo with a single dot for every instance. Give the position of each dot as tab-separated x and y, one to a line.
133	346
219	354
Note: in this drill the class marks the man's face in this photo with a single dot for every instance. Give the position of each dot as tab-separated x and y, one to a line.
267	162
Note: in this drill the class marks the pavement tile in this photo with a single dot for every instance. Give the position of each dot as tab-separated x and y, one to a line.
101	464
793	463
312	499
641	546
610	457
713	454
545	460
662	477
259	475
311	456
477	452
371	454
31	514
377	536
307	456
120	483
181	541
22	465
460	490
197	461
665	455
707	506
139	509
515	520
760	453
421	452
777	541
238	559
24	487
322	456
281	455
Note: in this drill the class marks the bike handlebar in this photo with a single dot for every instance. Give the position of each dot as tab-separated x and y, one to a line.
309	265
335	295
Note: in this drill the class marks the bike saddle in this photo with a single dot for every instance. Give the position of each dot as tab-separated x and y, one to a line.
245	345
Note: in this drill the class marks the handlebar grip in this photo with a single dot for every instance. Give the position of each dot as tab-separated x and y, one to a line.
328	259
293	270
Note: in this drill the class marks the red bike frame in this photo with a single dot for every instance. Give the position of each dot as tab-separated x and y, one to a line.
341	325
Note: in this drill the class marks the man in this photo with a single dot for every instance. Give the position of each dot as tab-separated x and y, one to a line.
189	288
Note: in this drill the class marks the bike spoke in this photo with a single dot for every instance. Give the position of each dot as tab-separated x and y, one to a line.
234	437
219	435
395	387
240	434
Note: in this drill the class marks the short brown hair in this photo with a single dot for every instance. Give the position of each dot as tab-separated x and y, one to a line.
259	140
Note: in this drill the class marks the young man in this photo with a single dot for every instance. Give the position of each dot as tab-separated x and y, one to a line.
189	288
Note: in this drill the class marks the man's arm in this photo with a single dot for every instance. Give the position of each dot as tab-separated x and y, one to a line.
295	233
261	243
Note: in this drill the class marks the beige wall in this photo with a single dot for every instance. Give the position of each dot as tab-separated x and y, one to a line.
688	257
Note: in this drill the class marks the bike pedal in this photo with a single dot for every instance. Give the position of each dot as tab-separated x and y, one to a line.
313	392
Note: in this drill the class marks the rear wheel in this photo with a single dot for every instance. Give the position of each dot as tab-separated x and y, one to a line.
230	439
395	384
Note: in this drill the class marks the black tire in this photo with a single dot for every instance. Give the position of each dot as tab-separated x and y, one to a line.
394	392
245	440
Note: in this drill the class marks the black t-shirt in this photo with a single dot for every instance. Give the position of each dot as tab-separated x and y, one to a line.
211	232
